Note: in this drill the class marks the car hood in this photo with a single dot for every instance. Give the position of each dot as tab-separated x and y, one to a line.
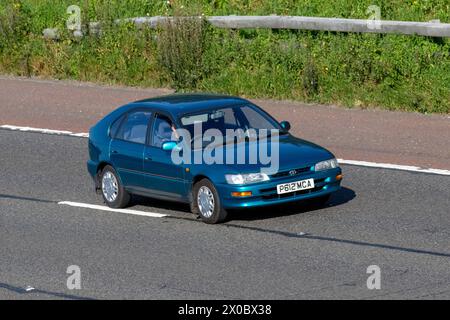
293	153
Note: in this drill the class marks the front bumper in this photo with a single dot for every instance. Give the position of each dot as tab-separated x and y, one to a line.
265	194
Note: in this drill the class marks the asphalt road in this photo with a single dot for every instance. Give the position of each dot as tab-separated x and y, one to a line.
381	136
397	220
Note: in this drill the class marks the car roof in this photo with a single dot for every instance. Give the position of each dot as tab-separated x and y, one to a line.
178	104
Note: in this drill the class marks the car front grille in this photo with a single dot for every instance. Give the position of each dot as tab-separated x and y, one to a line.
291	173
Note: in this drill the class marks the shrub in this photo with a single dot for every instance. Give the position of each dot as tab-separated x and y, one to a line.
310	78
367	70
181	46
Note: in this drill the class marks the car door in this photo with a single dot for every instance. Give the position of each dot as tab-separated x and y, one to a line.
163	177
127	148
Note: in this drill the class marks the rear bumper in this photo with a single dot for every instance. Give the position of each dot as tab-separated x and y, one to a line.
92	168
265	194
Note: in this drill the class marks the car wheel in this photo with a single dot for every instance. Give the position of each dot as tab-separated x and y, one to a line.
113	192
206	203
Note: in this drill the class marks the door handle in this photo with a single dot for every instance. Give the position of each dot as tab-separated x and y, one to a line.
114	151
148	159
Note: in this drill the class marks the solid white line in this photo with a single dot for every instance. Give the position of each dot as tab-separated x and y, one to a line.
46	131
394	167
342	161
104	208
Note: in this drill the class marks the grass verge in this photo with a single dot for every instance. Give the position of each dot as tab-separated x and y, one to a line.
364	70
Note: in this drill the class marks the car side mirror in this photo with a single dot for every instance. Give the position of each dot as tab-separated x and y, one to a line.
285	125
169	145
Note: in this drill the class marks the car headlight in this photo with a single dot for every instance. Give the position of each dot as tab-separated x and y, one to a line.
325	165
246	178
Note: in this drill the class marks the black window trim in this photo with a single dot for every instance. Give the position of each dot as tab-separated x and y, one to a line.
150	127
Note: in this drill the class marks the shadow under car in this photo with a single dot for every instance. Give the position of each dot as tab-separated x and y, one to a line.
340	197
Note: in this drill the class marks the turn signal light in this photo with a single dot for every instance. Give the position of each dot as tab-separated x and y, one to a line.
242	194
339	177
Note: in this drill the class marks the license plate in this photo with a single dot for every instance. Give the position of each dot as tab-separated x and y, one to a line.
295	186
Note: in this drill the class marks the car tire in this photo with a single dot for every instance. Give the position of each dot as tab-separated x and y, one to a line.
203	193
112	190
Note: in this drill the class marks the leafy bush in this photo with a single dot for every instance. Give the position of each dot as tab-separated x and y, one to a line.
366	70
181	46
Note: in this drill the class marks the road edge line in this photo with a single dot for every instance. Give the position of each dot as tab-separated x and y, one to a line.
359	163
45	131
394	167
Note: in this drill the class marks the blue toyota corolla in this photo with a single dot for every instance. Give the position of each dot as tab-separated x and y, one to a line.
137	148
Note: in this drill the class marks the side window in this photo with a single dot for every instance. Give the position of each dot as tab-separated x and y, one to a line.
134	127
115	126
162	130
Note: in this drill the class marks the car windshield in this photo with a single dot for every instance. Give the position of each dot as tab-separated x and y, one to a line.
242	117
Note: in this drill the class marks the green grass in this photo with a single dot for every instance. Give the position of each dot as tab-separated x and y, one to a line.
365	70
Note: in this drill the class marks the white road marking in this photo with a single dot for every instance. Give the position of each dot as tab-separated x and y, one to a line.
46	131
104	208
342	161
394	167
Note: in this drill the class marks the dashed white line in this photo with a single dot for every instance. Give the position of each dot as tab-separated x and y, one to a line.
104	208
342	161
394	167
